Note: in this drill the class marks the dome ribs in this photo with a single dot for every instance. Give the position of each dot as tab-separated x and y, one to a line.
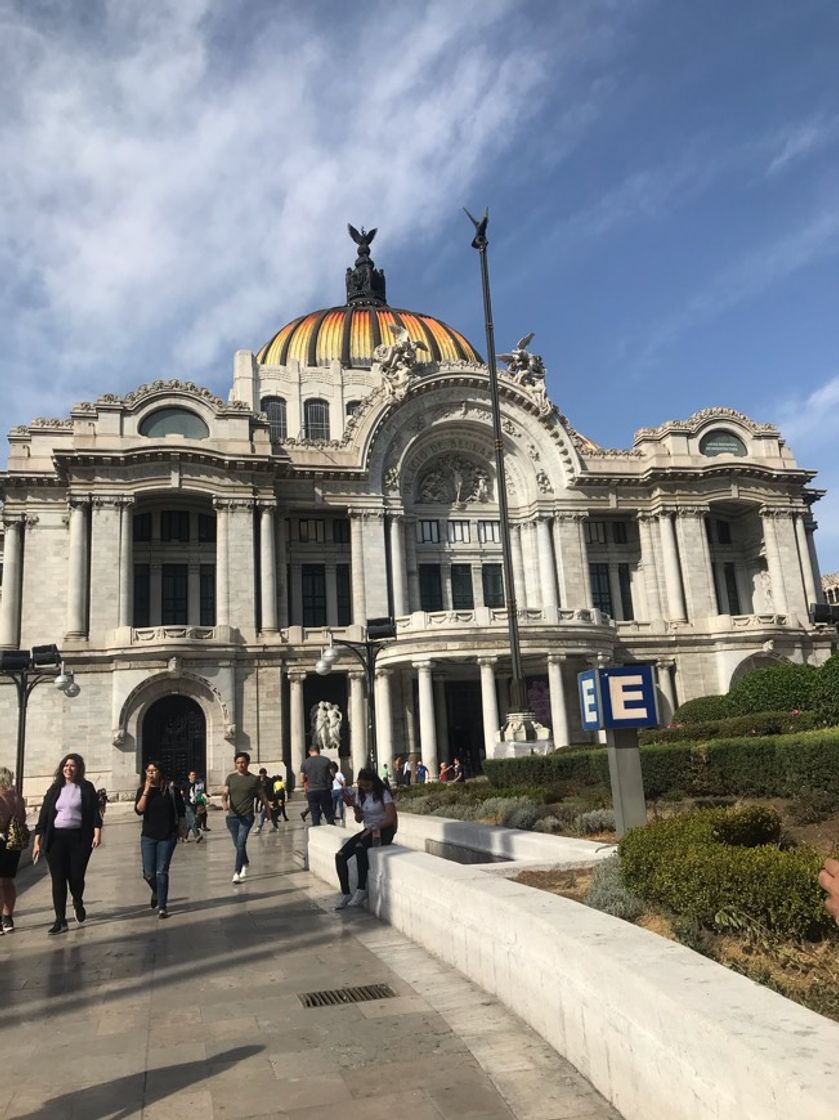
314	337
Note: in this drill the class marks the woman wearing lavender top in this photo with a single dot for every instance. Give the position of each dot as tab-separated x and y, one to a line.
69	828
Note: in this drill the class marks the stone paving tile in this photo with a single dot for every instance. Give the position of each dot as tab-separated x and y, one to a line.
200	1016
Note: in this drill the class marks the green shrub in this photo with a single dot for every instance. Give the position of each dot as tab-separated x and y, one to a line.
748	827
782	687
595	820
494	809
703	708
608	892
521	816
757	724
681	864
825	693
550	824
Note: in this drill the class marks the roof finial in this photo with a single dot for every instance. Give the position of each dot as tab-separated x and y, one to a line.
365	282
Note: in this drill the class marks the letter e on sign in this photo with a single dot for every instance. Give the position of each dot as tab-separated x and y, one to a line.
627	697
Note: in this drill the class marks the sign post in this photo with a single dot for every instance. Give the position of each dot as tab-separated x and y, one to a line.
619	701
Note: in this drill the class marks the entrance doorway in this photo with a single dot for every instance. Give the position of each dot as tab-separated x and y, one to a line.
175	734
465	725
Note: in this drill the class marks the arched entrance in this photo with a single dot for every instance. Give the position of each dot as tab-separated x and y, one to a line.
175	733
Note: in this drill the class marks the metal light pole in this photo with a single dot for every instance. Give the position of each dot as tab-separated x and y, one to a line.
518	690
367	653
26	670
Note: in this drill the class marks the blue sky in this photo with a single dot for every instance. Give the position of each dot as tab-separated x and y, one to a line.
663	180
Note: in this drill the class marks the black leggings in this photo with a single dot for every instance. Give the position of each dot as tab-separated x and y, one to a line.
67	857
358	846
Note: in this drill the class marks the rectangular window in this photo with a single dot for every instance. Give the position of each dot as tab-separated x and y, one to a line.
489	532
431	587
142	527
459	532
341	531
142	595
344	593
174	525
619	533
207	574
625	585
601	591
723	532
311	530
731	591
206	527
428	532
463	598
594	532
493	580
314	594
174	594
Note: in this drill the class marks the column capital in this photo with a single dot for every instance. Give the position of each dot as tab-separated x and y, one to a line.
421	666
12	520
780	511
356	674
646	515
266	505
665	663
78	501
231	504
296	676
384	673
571	514
692	511
487	662
557	659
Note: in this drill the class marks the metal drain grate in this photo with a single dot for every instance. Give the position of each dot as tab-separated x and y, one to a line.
334	997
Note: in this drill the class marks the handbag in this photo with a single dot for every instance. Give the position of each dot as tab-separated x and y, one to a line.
17	836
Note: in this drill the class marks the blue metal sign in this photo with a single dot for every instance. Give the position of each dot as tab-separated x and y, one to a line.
618	697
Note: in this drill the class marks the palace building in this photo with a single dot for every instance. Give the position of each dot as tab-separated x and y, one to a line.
191	555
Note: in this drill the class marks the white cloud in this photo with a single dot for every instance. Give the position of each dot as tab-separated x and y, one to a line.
801	139
172	186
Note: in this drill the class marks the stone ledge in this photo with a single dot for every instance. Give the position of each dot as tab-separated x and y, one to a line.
660	1031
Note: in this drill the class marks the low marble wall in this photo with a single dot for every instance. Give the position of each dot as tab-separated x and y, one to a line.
661	1032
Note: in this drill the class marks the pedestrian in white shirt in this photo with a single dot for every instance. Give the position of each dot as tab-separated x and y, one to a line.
339	784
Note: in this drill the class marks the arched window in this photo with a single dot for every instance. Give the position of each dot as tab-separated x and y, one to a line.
276	409
720	442
351	406
316	419
174	422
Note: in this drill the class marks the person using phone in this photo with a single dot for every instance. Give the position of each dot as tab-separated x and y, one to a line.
161	805
373	807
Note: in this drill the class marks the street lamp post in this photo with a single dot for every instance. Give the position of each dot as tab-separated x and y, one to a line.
366	652
27	669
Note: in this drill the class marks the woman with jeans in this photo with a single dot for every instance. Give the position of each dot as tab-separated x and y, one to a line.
12	807
162	808
374	807
69	828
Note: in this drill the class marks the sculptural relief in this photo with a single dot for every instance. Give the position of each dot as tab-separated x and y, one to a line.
398	361
325	721
454	480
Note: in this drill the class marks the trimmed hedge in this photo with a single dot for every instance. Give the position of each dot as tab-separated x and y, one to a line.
707	866
703	708
771	766
825	694
761	723
780	688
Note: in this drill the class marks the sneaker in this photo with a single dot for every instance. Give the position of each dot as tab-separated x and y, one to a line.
243	873
358	899
153	901
57	927
79	911
163	914
198	838
343	901
7	925
236	877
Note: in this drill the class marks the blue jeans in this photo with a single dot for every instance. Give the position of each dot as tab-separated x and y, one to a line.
191	822
239	827
338	804
157	855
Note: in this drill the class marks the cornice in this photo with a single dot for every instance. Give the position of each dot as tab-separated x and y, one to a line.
704	417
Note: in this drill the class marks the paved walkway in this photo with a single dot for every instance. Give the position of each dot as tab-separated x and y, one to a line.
199	1017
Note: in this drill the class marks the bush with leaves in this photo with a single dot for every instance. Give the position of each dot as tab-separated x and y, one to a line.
703	708
683	864
608	892
522	816
779	688
594	821
757	724
825	694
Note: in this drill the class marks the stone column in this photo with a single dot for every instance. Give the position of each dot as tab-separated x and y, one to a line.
572	559
773	561
412	571
530	556
78	568
615	592
676	609
695	557
331	580
559	711
222	508
665	683
547	566
790	563
268	568
10	602
296	612
359	598
489	705
519	581
241	567
648	564
126	562
804	558
282	571
441	715
810	527
399	571
375	566
384	719
358	721
297	718
428	729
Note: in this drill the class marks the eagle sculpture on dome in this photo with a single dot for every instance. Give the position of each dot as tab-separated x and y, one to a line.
363	240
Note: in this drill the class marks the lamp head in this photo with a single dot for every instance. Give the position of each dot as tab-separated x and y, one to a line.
330	654
323	668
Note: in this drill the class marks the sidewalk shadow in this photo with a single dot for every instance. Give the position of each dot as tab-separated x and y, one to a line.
130	1095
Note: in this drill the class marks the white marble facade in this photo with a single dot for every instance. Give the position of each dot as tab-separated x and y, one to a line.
189	562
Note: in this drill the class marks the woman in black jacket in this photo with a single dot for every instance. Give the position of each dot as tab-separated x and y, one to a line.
161	805
69	828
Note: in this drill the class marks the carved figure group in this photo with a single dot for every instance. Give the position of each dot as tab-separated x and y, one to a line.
325	725
398	360
522	364
454	480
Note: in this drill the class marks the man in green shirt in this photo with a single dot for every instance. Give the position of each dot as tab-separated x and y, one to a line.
241	790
